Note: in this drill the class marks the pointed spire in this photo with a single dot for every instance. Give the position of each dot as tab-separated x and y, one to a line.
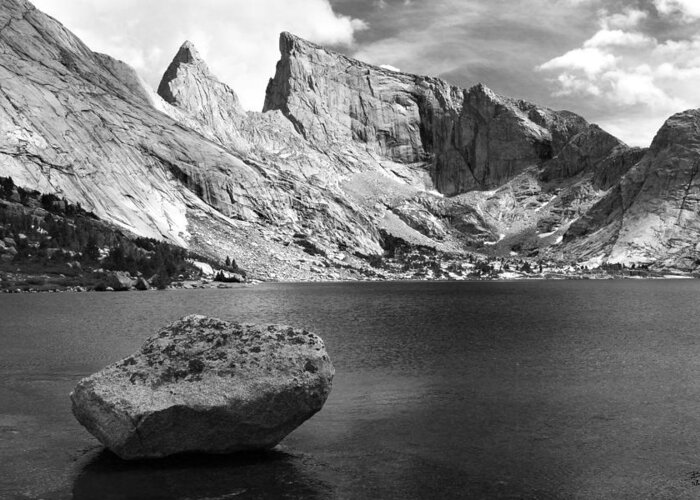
186	54
188	83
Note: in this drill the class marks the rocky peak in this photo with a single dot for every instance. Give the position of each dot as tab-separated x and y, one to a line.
591	150
187	54
650	215
188	83
289	43
190	86
348	153
186	58
467	139
484	91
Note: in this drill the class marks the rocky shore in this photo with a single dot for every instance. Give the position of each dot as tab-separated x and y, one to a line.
547	273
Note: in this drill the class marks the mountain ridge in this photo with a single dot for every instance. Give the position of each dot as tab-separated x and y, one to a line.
345	159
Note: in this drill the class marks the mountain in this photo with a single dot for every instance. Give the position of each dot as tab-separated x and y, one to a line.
651	215
346	161
468	139
86	127
527	172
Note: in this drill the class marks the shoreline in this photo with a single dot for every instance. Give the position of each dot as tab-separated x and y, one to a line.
213	285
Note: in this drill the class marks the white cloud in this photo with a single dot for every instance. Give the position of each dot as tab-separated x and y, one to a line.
590	60
632	86
618	38
628	18
237	38
632	73
571	84
689	9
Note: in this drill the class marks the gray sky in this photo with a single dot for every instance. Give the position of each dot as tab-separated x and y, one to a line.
625	64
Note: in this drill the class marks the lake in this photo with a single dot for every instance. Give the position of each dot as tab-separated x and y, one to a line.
549	389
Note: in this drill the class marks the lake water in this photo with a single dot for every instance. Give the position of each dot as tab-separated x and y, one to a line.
557	389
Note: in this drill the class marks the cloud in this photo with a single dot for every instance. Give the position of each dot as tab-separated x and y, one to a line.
626	63
486	36
617	38
592	61
237	38
631	73
628	18
689	9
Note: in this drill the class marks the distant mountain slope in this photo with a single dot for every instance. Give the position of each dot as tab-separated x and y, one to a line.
652	216
527	172
345	156
469	139
82	125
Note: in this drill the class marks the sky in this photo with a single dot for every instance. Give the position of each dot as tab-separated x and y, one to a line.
624	64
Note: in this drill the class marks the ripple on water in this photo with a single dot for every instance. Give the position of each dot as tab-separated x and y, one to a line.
484	390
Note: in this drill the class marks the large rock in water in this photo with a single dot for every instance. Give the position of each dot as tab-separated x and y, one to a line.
206	385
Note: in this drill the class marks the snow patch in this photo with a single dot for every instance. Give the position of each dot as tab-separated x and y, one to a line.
593	262
509	275
501	237
206	269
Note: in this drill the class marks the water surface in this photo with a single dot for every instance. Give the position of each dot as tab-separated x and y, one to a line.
472	390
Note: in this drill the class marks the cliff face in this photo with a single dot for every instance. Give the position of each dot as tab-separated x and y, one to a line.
467	139
344	162
82	125
651	215
64	117
189	85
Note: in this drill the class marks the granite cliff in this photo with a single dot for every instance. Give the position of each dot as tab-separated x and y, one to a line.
346	160
650	216
468	138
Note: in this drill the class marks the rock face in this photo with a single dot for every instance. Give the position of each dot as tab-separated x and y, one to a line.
206	385
591	150
345	157
119	281
189	84
651	215
471	139
84	126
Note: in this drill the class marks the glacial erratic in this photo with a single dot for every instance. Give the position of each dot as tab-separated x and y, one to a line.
206	385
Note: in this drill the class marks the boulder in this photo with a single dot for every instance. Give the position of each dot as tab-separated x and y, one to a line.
119	281
206	385
229	277
142	284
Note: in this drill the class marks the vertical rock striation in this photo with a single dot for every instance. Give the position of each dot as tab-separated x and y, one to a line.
343	153
189	85
468	139
651	214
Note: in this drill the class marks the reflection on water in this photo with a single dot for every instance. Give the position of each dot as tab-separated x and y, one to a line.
272	474
476	390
